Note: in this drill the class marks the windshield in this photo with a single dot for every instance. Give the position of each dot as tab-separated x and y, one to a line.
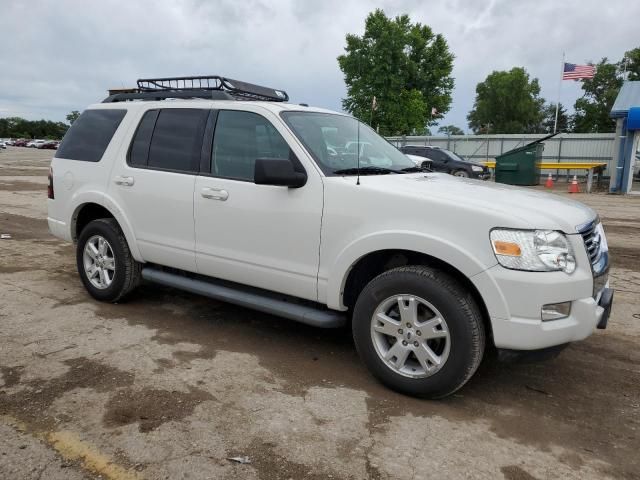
336	141
455	156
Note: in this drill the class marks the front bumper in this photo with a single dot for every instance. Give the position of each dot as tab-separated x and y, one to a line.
481	175
514	300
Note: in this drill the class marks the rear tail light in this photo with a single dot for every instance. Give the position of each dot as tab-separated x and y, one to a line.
50	185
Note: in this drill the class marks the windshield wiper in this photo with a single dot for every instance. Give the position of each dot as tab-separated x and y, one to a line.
415	169
368	170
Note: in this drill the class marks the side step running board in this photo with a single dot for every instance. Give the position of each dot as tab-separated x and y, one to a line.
255	299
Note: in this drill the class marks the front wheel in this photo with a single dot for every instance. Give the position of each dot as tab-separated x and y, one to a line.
461	173
419	331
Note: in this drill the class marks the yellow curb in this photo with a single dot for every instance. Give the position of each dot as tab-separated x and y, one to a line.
72	448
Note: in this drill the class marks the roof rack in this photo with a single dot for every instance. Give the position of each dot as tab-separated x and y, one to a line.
210	87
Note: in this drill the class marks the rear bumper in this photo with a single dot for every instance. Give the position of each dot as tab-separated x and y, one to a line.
59	229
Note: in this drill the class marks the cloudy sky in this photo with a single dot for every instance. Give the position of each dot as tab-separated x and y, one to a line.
58	56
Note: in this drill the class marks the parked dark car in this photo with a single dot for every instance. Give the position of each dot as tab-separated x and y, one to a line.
21	143
448	162
52	145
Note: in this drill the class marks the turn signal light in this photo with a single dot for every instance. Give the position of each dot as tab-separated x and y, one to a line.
507	248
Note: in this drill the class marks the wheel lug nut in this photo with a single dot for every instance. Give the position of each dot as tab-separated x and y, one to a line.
404	342
400	331
408	325
416	344
418	332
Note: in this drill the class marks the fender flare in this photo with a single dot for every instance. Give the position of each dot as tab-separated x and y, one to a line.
99	198
344	262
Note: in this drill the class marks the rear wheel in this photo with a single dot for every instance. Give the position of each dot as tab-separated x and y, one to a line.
418	331
105	264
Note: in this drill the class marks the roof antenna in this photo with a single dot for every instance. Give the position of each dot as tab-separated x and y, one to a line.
358	148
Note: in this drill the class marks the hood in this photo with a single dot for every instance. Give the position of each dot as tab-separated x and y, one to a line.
520	207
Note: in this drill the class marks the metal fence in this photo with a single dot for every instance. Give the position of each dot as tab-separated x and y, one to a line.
566	147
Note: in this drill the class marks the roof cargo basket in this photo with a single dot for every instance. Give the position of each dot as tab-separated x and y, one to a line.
210	87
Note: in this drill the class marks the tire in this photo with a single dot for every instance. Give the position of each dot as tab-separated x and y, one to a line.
125	274
461	174
434	293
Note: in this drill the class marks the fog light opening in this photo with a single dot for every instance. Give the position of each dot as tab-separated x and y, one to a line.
555	311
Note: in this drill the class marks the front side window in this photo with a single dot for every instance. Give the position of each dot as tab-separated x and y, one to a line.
340	144
90	134
240	138
177	139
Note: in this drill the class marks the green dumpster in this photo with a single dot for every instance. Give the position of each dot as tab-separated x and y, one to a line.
521	166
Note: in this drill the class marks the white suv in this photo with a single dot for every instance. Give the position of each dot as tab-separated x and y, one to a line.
228	191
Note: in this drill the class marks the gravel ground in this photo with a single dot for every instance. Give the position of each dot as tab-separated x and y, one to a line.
170	385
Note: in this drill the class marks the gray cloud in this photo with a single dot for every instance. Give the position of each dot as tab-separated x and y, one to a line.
63	55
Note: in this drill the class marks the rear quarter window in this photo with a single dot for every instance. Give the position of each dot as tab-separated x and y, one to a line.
90	134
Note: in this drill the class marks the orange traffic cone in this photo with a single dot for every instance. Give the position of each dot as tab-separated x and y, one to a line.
573	186
549	182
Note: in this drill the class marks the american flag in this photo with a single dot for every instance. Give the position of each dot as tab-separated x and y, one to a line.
576	72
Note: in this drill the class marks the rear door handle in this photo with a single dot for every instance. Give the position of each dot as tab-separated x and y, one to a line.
124	181
214	193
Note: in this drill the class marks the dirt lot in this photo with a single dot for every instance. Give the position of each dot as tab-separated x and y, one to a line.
170	385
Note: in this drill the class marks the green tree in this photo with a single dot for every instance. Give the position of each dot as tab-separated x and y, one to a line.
450	130
16	127
549	118
633	64
405	66
593	108
73	116
507	102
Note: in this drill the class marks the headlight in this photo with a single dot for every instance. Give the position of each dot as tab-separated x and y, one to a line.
533	250
476	168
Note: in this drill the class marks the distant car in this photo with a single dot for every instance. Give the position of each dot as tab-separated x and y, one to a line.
35	143
448	162
52	145
20	143
3	145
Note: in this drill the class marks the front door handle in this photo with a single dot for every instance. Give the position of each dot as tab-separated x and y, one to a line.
214	193
124	181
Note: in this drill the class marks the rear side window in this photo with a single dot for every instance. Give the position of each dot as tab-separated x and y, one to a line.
90	134
139	153
177	139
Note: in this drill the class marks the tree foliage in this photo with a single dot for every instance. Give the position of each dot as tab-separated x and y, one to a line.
450	130
405	66
633	64
72	116
549	118
593	108
507	102
16	127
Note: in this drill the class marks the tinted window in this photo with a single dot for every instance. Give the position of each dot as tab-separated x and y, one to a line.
177	139
438	155
239	139
90	134
139	152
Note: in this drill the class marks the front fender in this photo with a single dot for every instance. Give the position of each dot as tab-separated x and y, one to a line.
462	260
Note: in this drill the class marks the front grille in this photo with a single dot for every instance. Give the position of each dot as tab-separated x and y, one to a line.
597	251
592	241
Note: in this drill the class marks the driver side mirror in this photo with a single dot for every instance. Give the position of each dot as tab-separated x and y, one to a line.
277	171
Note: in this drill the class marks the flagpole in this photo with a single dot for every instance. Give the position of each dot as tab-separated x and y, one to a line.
555	123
